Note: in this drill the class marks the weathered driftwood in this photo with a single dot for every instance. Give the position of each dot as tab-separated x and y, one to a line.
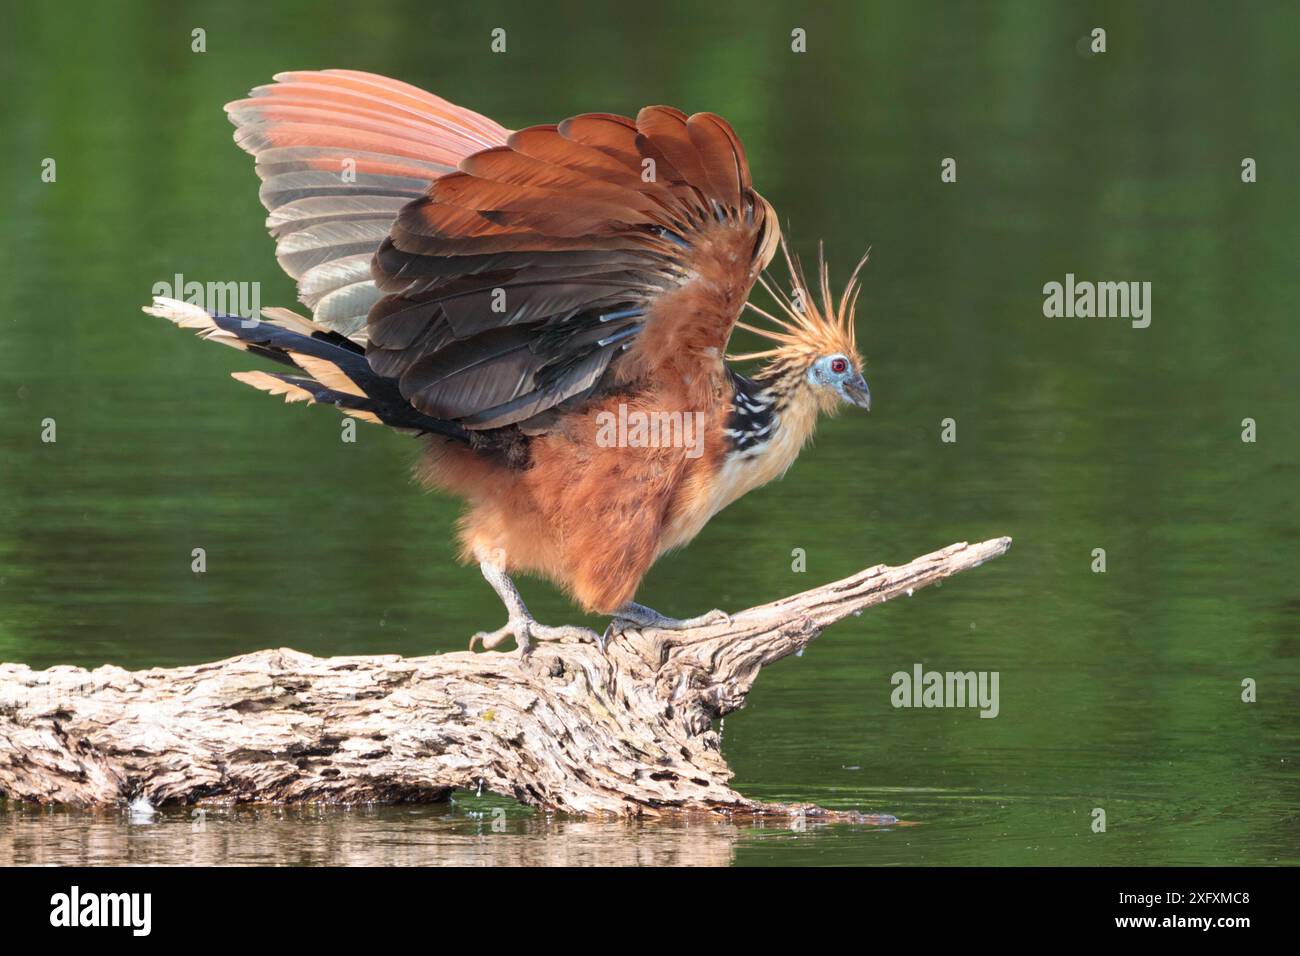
627	730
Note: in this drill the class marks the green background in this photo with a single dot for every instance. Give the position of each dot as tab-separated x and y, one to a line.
1118	690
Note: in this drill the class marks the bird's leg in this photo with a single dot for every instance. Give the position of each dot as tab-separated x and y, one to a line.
519	623
517	617
633	615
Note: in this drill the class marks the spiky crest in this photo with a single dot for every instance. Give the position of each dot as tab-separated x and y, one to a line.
806	328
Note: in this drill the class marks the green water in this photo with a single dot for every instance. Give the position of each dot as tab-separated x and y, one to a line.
1118	690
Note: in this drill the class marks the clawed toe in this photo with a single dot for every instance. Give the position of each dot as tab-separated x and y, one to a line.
520	630
637	617
711	617
619	626
527	632
563	633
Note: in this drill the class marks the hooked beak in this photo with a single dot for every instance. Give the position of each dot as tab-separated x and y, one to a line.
855	390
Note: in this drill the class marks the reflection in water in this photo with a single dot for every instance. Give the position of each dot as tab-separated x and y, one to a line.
361	837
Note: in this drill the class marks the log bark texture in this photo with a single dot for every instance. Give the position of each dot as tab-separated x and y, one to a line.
571	728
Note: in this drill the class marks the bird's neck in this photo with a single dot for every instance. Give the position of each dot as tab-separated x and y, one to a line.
773	416
770	420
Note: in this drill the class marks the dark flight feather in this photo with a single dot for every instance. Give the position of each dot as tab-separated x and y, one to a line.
490	275
541	237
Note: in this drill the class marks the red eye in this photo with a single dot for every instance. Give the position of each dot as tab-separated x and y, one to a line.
839	366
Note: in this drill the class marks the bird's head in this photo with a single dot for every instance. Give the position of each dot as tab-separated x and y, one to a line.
815	352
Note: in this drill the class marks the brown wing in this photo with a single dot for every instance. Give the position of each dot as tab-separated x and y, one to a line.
340	153
597	250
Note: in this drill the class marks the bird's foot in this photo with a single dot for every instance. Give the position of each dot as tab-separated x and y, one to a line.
632	616
526	631
516	627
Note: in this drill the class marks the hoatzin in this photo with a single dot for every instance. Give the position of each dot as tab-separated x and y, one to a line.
506	295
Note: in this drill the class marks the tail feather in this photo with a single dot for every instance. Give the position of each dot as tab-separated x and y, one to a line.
337	372
298	389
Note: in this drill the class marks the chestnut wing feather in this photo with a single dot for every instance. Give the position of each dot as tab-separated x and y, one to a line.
594	250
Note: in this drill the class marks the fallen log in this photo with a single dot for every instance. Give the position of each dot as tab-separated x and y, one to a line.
570	727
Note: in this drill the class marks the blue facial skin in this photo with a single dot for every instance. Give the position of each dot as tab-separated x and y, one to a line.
837	372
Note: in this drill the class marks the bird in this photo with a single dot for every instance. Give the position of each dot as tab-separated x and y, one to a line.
531	304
